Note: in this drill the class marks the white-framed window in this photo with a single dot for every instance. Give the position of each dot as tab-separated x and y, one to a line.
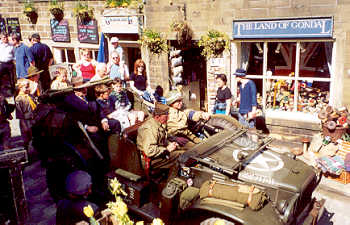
293	76
64	55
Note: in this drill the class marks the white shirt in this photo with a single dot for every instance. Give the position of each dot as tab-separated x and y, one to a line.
7	52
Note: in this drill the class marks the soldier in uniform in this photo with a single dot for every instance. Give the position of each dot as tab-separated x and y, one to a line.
177	125
152	139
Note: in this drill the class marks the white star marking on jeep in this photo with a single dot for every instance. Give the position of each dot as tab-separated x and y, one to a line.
266	161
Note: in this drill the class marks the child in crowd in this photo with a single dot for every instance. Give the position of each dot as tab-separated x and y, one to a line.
33	77
122	106
25	106
86	66
5	115
158	95
61	80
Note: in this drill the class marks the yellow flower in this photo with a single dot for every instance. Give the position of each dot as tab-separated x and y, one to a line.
118	208
219	222
112	4
125	4
28	9
140	223
157	221
88	211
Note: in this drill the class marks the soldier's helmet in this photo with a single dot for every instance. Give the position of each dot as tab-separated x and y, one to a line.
173	96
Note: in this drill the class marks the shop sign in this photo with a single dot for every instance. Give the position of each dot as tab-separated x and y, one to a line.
120	24
60	30
284	28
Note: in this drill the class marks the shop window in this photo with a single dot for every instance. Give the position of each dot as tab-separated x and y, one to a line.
297	75
64	55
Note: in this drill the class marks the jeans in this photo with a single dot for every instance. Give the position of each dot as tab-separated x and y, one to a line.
242	120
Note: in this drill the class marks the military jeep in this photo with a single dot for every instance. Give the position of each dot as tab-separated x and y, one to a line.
228	157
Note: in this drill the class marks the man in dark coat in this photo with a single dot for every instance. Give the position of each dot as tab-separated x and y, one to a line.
43	59
70	210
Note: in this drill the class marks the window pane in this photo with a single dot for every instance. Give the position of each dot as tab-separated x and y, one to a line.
281	58
279	94
252	57
63	55
71	56
313	96
315	59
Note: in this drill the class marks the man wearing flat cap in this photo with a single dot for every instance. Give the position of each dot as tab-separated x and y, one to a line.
152	135
248	102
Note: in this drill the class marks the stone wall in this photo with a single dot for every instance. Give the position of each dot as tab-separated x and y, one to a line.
14	8
202	15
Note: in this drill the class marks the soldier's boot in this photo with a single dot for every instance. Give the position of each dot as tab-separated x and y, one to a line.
113	147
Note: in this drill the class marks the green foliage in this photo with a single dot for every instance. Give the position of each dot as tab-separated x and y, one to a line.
29	8
214	43
133	4
183	31
154	41
83	12
56	9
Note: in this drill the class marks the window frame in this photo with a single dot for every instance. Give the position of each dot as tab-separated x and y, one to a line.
264	77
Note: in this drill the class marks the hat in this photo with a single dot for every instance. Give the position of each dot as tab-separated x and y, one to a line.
36	36
114	39
240	73
32	71
173	96
160	109
101	88
78	182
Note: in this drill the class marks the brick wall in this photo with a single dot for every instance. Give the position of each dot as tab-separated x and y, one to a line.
13	8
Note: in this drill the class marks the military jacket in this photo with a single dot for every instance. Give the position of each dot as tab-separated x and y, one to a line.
177	123
152	138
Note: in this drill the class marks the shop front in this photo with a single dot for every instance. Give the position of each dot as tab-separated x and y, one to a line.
290	61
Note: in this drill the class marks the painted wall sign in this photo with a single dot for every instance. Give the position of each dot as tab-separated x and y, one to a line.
87	32
120	24
60	30
284	28
13	26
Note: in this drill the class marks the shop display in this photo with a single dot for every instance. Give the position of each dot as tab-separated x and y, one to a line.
280	96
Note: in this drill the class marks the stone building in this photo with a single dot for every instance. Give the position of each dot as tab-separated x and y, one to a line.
295	51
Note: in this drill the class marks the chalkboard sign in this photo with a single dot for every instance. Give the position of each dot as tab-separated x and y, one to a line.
13	26
87	32
2	25
60	30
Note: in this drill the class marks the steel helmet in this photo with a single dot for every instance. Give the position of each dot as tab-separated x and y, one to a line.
173	96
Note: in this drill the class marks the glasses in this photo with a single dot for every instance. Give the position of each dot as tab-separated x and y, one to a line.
141	67
115	57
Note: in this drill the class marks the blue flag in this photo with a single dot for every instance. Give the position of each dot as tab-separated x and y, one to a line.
103	50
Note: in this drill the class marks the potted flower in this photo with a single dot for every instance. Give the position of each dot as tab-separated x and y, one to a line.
154	41
132	4
213	43
30	12
83	12
117	3
56	9
183	31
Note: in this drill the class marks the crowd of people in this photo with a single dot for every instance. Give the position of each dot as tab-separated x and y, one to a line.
110	110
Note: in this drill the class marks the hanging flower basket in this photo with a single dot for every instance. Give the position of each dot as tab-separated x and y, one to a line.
213	43
131	4
30	12
83	12
56	9
154	41
183	31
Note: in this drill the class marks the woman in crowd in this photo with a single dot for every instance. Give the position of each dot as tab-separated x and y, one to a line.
138	80
86	66
61	80
223	96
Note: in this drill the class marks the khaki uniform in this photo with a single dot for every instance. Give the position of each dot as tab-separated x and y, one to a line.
177	123
151	138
